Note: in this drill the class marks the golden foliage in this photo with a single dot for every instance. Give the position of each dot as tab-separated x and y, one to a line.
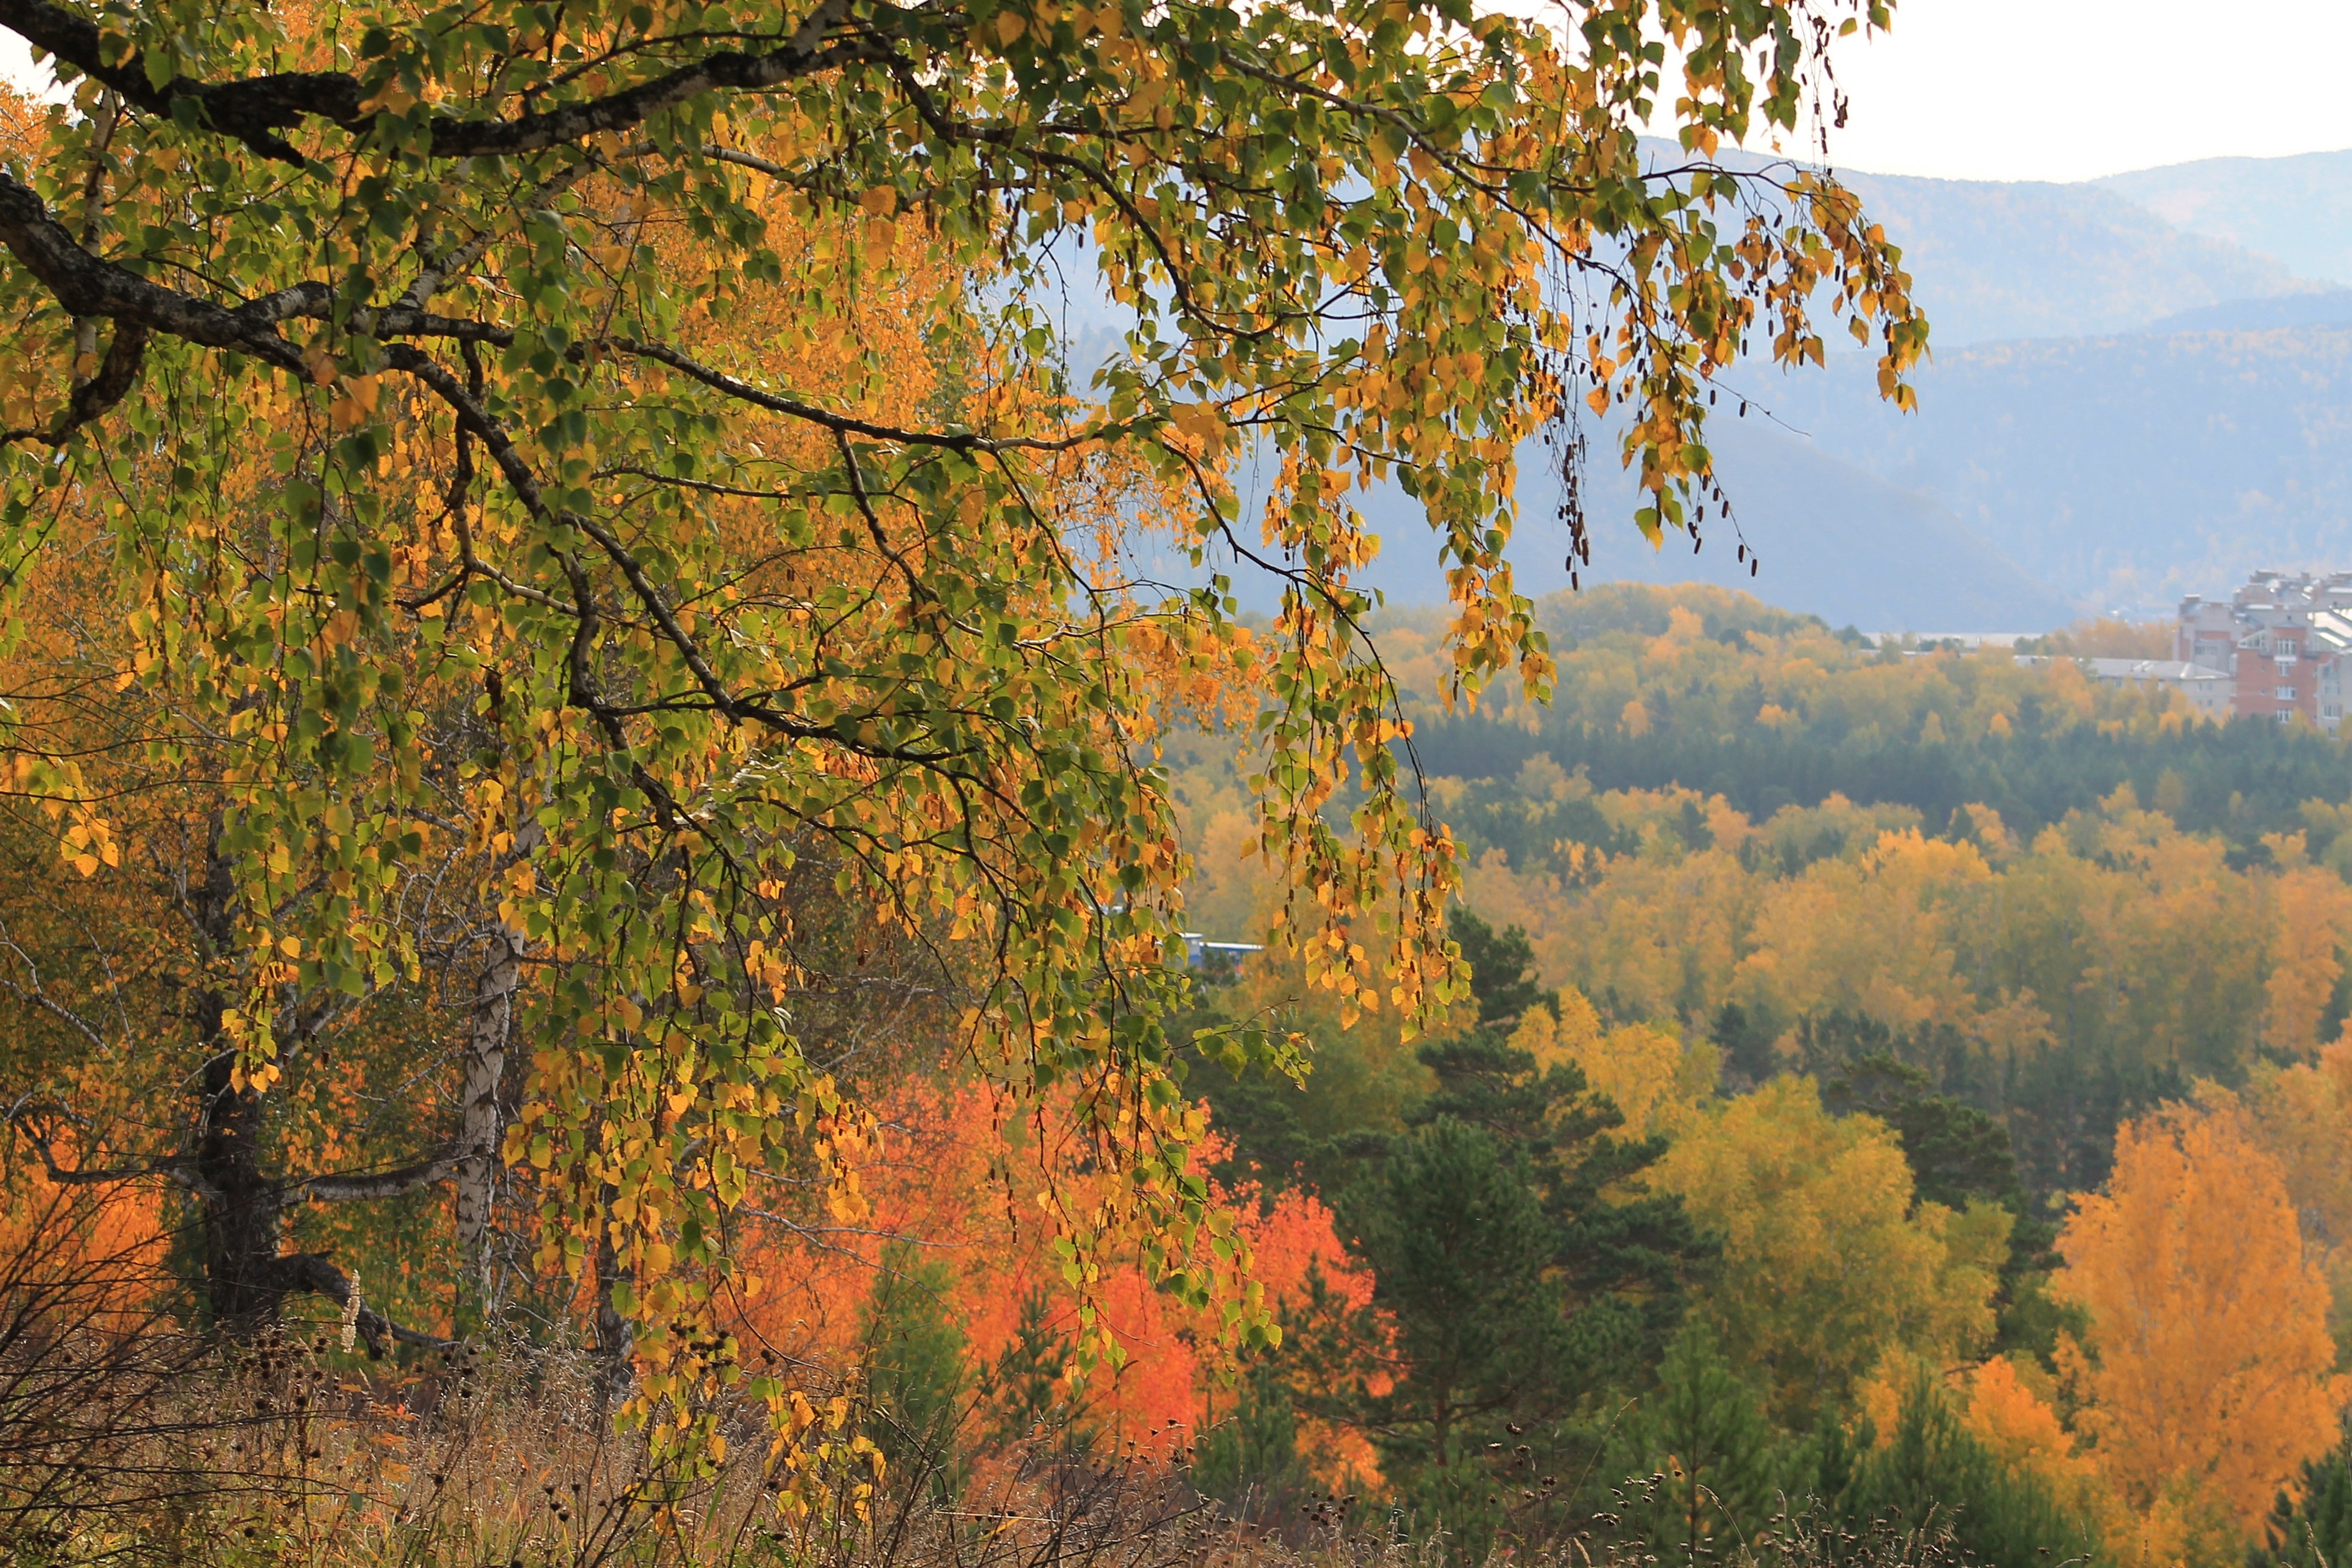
2152	945
1827	1266
1873	935
1657	1081
2300	1115
2209	1375
2311	922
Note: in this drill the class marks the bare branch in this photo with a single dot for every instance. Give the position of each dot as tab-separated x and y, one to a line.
843	424
26	1116
367	1186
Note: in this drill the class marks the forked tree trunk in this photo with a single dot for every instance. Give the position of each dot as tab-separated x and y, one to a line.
243	1205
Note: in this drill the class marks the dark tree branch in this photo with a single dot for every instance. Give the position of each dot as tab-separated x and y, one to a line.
25	1116
474	418
431	1171
311	301
309	1273
256	110
125	355
844	424
291	1274
87	285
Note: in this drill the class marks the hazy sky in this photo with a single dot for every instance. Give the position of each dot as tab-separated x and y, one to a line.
2065	89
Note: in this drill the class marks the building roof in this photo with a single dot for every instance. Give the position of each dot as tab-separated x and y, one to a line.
2335	630
2135	668
2151	669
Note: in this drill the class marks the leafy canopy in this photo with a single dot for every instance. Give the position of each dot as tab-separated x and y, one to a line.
616	456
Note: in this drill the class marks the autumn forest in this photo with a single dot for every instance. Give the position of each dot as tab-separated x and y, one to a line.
1940	1154
687	881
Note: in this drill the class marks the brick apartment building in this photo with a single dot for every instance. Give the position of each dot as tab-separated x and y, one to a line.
2284	641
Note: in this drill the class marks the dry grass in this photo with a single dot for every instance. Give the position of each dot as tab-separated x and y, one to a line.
508	1461
282	1454
126	1440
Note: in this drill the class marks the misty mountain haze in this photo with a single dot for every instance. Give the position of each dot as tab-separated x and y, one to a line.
2296	209
2126	403
2160	444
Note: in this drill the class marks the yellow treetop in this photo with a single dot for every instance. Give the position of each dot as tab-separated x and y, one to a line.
1827	1266
2208	1376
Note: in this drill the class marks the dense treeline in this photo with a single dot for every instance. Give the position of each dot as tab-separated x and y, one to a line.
1715	693
2241	780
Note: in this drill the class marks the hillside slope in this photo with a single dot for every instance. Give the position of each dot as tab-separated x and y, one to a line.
1830	539
2296	209
2118	411
2129	469
1991	261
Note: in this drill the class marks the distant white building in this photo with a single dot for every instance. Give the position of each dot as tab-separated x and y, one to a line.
1218	960
2208	689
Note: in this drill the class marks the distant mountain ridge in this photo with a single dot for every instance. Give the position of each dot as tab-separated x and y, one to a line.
1830	538
2297	209
1991	260
2140	386
2325	308
1827	538
2126	402
2127	469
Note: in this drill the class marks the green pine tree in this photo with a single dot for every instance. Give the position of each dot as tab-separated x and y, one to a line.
1475	1342
2311	1527
1518	1267
1703	1429
1458	1246
915	1369
1934	1477
1621	1259
1746	1044
1502	968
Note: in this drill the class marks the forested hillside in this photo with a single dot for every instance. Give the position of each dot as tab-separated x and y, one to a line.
1826	537
1716	692
2036	478
1934	1038
2132	396
2004	259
